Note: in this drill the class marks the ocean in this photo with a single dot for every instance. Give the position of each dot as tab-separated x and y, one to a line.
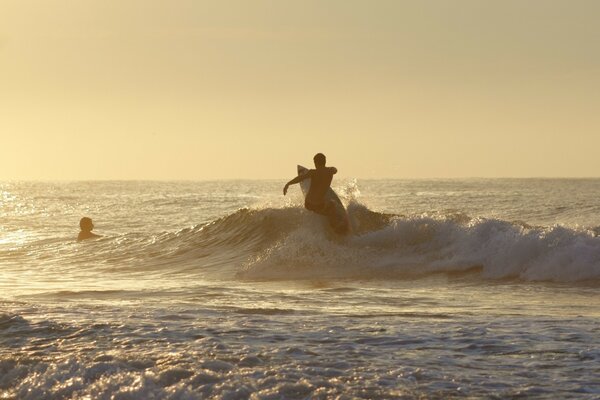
474	288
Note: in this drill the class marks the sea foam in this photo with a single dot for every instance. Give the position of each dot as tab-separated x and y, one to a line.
387	246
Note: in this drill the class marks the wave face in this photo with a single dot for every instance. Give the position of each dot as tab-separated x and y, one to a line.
292	243
388	246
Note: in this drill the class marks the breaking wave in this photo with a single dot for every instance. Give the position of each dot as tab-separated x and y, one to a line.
387	246
291	243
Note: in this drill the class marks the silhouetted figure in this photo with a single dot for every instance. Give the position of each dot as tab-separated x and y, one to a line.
86	226
320	181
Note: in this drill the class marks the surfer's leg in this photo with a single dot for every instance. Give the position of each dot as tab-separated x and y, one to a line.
338	222
329	211
330	207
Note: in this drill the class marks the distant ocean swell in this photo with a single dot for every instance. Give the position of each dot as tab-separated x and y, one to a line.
291	243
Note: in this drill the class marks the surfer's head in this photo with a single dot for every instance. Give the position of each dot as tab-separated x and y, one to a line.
319	160
86	224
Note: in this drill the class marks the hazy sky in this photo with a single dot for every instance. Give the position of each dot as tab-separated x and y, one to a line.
123	89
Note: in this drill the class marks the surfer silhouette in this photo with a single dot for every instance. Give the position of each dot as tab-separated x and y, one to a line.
320	181
86	226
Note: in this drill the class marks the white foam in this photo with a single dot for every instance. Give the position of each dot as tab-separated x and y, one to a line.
427	244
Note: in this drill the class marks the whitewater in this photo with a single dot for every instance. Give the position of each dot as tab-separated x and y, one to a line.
227	289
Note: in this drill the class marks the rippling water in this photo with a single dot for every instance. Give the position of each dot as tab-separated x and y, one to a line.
226	289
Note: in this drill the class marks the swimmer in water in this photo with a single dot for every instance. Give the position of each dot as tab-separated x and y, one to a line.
86	226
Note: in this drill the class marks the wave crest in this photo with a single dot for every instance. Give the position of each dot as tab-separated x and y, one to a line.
292	243
389	246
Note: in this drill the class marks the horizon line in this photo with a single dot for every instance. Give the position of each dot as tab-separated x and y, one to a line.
287	178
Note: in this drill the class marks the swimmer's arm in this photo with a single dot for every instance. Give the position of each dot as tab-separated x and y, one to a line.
333	170
297	179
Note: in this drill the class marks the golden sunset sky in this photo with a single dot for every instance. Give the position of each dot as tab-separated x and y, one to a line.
147	89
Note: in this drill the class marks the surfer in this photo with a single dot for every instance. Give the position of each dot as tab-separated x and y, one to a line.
321	178
86	226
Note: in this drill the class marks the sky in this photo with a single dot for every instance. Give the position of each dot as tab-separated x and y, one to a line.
238	89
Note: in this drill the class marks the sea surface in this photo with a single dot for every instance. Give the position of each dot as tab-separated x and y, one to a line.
470	288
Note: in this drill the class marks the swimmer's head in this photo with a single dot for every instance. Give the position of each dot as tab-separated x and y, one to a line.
319	160
86	224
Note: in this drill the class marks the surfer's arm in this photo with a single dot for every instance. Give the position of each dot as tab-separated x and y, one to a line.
297	179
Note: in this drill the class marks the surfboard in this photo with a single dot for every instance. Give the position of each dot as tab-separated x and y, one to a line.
338	221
